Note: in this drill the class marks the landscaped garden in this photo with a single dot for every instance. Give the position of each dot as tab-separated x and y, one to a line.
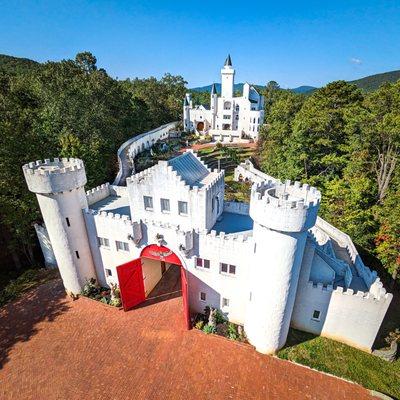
110	296
214	322
344	361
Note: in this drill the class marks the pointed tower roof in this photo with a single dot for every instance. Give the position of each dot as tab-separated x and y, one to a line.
185	102
213	89
228	61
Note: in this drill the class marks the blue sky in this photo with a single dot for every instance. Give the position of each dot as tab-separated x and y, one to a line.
292	42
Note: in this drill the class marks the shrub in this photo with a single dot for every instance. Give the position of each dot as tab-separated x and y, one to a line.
208	329
199	325
232	332
393	336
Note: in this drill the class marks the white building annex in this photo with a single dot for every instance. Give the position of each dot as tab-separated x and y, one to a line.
266	265
229	118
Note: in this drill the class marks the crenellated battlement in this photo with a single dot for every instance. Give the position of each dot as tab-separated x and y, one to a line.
109	215
55	176
287	207
380	296
98	193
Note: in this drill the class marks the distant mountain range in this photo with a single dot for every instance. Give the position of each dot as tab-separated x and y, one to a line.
368	84
238	87
16	65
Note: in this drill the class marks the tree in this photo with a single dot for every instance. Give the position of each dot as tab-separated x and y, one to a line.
382	134
86	61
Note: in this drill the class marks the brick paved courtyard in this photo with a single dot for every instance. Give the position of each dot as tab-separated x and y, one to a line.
53	348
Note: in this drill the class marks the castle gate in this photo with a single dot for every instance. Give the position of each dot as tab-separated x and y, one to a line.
131	282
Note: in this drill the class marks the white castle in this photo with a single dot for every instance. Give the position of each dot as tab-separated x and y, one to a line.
229	118
267	265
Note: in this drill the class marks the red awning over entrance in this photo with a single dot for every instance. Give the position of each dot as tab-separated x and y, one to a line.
161	253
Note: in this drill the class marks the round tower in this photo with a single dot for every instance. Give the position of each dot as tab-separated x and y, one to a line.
282	214
59	188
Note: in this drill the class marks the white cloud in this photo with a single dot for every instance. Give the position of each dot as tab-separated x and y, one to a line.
354	60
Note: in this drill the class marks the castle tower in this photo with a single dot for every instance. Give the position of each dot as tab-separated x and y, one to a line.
186	113
227	78
59	187
213	105
282	214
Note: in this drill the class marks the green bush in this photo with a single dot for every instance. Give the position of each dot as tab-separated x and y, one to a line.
199	325
208	329
232	331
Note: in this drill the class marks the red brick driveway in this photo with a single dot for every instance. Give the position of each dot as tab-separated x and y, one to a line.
53	348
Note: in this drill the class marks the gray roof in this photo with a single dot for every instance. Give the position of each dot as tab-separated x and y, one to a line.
228	61
189	168
185	102
213	89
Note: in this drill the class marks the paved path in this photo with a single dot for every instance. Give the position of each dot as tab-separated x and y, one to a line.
53	348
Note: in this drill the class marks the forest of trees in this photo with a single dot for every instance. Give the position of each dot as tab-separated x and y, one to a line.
70	108
343	140
347	143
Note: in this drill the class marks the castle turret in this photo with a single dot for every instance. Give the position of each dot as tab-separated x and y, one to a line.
59	187
282	214
186	113
213	105
227	78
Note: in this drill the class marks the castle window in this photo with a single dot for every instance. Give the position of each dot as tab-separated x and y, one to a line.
202	263
67	221
122	246
165	205
148	203
77	254
182	207
228	269
227	117
225	302
237	108
227	105
203	296
108	272
103	242
316	315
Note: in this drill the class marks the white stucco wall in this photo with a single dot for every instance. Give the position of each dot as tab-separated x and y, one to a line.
352	318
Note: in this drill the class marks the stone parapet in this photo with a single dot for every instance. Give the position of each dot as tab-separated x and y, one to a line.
55	176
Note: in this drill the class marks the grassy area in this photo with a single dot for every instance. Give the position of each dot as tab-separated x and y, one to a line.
236	191
344	361
28	280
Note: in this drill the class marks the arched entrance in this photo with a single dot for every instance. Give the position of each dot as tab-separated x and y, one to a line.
200	126
131	281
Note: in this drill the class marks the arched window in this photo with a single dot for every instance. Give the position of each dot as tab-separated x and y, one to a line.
227	105
216	205
237	108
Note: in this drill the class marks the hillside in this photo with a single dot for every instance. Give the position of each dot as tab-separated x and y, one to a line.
238	87
372	82
16	65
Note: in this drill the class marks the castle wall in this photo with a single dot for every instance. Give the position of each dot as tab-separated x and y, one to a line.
132	147
218	249
45	244
352	318
162	182
70	243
